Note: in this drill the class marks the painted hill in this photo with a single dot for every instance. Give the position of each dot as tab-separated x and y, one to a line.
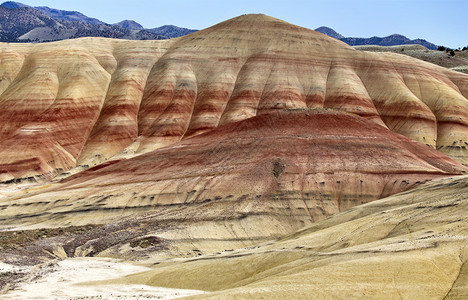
82	102
279	140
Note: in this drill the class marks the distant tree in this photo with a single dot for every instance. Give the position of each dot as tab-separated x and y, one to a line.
452	53
464	49
441	48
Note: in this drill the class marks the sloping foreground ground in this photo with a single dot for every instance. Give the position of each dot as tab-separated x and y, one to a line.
413	245
85	101
62	279
235	186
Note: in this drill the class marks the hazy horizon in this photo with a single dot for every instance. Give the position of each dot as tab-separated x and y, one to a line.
439	22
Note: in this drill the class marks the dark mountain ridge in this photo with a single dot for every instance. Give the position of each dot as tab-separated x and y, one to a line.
391	40
18	21
168	31
24	23
67	15
330	32
28	24
171	31
12	4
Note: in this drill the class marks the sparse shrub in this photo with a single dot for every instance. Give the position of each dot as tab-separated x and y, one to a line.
452	53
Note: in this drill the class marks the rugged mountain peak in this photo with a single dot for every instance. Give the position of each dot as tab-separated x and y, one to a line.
330	32
13	4
129	24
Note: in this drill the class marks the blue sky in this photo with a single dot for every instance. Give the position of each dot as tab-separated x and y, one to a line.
443	22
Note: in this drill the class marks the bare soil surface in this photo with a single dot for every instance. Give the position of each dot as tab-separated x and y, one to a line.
458	62
73	279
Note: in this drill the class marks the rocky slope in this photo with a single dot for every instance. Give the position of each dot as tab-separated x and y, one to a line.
19	21
65	15
28	24
24	23
81	102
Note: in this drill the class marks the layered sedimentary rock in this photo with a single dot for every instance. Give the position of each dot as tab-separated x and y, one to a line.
231	136
89	100
412	246
55	97
238	184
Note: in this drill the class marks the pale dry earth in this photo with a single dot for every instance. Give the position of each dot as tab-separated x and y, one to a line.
65	280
